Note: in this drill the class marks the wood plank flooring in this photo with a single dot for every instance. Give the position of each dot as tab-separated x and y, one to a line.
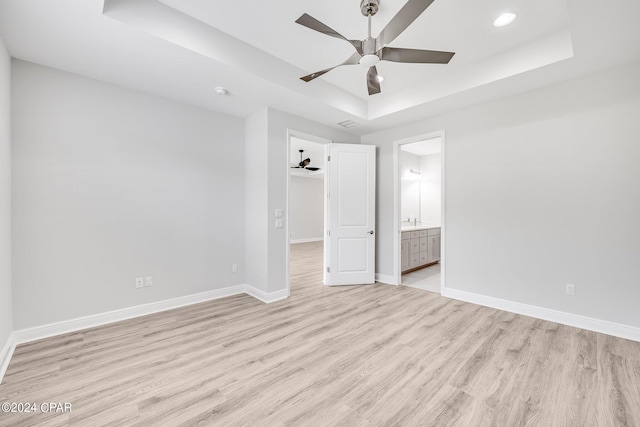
375	355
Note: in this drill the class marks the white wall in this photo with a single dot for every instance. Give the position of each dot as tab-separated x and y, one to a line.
306	208
256	194
111	184
541	190
431	189
6	308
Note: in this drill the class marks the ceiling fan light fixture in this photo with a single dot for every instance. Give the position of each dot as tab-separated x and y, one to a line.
504	19
369	60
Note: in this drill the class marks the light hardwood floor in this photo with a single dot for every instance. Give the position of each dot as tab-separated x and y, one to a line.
353	356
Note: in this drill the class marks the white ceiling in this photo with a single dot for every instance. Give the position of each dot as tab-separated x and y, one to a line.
423	148
442	27
183	49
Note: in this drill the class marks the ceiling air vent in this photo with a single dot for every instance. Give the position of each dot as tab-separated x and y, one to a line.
348	123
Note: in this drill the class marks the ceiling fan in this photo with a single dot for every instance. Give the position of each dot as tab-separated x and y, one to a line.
371	50
304	164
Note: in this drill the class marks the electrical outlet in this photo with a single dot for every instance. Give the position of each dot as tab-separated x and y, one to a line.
571	289
148	281
234	268
139	282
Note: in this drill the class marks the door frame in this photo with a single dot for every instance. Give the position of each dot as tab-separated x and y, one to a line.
397	225
319	140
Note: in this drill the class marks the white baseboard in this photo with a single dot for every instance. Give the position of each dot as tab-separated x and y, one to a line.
72	325
266	296
576	320
5	355
311	239
383	278
45	331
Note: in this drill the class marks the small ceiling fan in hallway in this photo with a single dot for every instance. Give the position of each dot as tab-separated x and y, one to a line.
372	50
304	164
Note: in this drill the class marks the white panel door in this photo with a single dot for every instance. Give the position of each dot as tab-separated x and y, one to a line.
351	214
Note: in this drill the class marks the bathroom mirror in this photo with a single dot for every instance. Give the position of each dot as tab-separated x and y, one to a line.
410	200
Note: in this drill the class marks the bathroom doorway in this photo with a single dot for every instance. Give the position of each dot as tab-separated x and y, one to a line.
419	212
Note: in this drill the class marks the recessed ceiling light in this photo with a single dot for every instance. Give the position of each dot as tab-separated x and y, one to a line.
504	19
221	91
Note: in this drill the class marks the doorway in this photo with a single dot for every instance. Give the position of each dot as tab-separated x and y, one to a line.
347	204
419	212
306	209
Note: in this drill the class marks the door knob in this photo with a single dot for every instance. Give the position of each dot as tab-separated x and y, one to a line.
371	232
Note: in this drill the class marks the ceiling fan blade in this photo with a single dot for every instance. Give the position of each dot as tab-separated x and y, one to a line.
373	84
309	21
352	60
397	54
402	20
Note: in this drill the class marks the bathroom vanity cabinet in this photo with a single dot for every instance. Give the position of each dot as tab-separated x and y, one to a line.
420	247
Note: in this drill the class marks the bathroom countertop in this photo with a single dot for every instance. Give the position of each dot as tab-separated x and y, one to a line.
418	227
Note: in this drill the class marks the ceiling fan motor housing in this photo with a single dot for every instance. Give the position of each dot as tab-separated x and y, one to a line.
369	7
369	46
